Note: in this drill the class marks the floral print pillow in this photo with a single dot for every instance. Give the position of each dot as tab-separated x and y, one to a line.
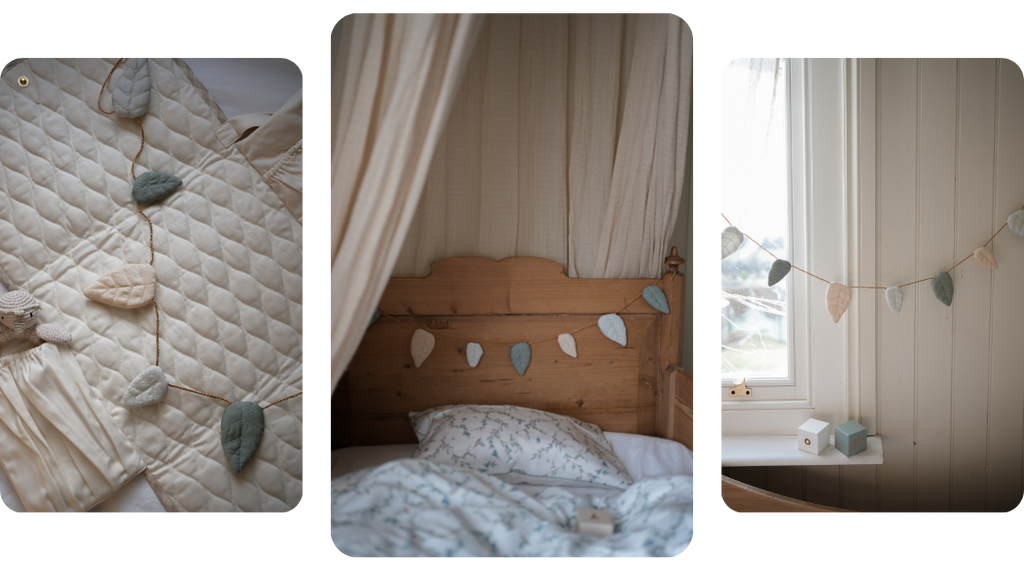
518	445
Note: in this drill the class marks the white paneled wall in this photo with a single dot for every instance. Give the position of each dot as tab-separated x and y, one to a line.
949	170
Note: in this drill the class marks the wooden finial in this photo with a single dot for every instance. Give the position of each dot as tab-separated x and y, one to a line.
674	261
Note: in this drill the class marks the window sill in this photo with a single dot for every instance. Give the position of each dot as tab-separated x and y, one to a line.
771	450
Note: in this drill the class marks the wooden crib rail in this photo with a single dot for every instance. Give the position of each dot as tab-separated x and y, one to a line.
739	498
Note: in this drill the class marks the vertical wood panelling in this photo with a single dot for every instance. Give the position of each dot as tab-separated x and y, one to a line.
788	481
821	485
897	201
754	476
972	284
1006	400
935	251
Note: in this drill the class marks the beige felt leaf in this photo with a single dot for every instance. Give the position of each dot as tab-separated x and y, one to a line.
127	287
837	299
986	258
732	239
421	346
568	344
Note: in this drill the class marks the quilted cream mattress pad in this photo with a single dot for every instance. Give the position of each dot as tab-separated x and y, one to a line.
228	265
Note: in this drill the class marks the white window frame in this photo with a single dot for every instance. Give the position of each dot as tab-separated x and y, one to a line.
831	107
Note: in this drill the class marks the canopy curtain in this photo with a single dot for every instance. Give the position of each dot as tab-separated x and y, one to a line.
567	140
395	80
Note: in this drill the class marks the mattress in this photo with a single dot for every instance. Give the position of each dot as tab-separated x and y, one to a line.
228	261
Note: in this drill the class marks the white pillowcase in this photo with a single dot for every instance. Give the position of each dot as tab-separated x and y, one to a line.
518	445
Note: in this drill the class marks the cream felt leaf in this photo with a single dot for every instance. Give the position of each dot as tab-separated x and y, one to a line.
656	299
148	387
732	239
1016	222
127	287
613	328
520	354
779	270
942	287
421	345
894	297
473	353
986	258
568	344
837	299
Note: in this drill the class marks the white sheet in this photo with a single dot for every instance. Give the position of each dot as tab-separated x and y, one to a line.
642	456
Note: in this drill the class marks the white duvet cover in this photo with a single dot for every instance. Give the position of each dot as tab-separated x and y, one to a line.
392	506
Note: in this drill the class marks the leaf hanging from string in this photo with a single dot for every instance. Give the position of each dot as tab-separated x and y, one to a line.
421	345
474	352
942	287
780	268
148	387
732	239
986	258
894	297
151	187
131	92
376	316
520	356
656	298
837	299
568	344
1016	222
241	428
613	328
127	287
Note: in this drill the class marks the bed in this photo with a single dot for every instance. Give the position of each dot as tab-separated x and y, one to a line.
384	502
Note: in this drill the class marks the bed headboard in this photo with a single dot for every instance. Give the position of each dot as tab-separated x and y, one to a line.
637	388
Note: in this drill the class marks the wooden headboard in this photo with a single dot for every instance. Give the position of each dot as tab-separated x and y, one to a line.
637	388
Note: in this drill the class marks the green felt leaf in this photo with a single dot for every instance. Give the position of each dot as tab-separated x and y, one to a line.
152	187
780	268
241	428
521	356
656	298
613	328
942	285
376	316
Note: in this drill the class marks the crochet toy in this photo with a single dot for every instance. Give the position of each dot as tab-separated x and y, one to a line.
18	320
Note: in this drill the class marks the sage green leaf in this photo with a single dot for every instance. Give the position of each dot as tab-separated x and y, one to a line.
656	298
780	269
241	428
613	328
376	316
942	285
131	92
521	356
154	186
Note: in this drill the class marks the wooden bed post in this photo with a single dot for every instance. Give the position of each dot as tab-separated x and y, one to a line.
674	285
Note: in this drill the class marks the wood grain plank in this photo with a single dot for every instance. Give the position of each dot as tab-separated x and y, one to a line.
746	498
752	476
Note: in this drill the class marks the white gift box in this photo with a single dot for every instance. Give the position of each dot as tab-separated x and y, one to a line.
594	522
812	436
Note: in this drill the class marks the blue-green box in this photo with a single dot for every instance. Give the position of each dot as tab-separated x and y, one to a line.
851	438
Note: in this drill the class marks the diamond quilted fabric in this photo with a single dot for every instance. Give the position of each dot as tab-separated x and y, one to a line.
228	266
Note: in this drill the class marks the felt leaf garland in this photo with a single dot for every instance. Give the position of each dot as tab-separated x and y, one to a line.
656	298
780	268
568	344
1016	222
732	239
421	345
131	92
473	353
127	287
241	429
942	286
986	258
613	328
520	356
894	297
837	299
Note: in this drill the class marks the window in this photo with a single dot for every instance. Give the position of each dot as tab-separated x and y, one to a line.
754	326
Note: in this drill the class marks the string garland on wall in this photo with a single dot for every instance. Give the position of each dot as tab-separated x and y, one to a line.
837	296
611	325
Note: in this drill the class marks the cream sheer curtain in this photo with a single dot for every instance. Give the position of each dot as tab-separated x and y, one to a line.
567	139
395	80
